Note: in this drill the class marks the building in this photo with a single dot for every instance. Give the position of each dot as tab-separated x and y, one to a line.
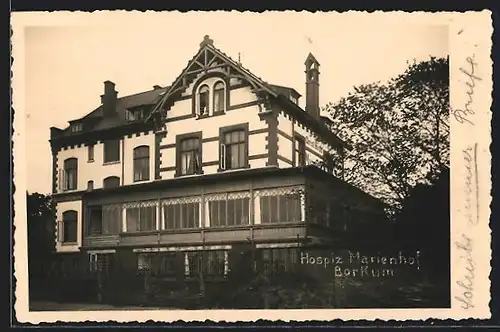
218	162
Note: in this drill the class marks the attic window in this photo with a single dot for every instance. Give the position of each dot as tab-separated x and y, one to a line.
203	100
134	115
293	99
77	127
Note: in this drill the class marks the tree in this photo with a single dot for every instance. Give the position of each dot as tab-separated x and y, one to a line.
41	232
426	215
397	131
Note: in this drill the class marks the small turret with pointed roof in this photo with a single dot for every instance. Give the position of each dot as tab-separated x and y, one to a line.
312	86
310	60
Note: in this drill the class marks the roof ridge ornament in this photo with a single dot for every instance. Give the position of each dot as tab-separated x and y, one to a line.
206	41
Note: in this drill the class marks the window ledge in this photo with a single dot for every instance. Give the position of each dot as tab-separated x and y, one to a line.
139	181
219	113
233	169
111	163
188	175
202	116
68	243
90	161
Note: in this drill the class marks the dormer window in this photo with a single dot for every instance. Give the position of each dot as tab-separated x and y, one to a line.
134	115
219	97
76	127
203	100
293	99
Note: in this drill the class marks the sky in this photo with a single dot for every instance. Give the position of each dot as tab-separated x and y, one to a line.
66	65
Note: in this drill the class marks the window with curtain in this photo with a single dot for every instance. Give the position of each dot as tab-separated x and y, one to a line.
219	97
69	227
203	100
141	163
111	182
70	174
234	152
111	151
190	156
141	219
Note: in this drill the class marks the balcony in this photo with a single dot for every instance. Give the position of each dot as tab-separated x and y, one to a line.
212	218
271	206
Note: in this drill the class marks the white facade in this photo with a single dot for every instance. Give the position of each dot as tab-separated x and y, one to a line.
182	118
96	170
210	126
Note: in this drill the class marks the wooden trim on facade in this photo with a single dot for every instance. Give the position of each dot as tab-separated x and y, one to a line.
158	138
286	160
214	138
244	105
68	196
311	151
271	120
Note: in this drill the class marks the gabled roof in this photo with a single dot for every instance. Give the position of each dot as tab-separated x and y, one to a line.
208	56
128	102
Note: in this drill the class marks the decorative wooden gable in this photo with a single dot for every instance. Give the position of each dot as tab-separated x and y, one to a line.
207	58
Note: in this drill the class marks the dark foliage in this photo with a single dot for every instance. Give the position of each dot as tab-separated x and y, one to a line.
41	237
398	131
424	222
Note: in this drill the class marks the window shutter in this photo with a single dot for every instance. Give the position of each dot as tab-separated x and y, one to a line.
60	231
222	160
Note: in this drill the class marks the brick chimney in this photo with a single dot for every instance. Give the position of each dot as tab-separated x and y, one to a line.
108	99
312	86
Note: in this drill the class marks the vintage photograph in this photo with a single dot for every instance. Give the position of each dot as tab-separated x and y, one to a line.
302	165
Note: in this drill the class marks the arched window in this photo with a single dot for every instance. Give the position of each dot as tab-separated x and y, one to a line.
111	182
141	163
70	176
69	228
90	185
219	97
203	100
